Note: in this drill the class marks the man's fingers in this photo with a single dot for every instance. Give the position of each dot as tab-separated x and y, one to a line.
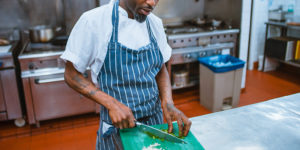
170	125
132	122
187	125
120	125
125	124
180	126
120	122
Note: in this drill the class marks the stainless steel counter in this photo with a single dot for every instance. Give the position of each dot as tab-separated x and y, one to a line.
40	54
270	125
9	53
204	33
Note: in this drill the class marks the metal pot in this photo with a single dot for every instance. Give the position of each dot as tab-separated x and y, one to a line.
181	78
41	34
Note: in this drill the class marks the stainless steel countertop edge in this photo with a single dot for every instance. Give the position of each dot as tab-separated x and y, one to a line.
196	49
39	55
201	34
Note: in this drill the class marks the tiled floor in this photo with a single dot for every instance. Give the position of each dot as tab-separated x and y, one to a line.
77	133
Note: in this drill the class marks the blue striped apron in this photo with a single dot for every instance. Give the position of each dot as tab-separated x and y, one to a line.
129	76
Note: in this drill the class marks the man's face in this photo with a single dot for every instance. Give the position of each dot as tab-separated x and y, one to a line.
141	8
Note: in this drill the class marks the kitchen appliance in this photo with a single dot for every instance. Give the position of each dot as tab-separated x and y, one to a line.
131	136
190	42
47	96
10	104
159	133
277	15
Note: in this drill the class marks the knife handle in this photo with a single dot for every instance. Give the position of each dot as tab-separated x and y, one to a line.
137	123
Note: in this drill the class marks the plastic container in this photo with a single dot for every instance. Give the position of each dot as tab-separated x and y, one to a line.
222	63
220	81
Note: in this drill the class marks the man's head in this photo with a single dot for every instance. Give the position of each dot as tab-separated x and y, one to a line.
138	9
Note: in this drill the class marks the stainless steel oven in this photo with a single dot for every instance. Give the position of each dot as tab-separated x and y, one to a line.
47	95
10	104
190	42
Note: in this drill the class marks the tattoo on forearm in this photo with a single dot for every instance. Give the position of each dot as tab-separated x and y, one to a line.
80	83
92	93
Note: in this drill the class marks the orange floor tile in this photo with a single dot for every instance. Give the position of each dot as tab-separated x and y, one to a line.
79	132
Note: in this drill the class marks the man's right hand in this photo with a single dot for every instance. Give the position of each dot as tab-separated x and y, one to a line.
119	113
121	116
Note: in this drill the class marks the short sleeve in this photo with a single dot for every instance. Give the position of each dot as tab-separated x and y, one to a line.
165	48
81	45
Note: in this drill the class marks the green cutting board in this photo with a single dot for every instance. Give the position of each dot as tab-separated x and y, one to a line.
134	139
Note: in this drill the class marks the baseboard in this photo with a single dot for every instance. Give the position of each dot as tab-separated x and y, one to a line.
255	65
243	90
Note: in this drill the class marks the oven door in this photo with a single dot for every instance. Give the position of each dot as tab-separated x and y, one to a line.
53	98
9	95
2	103
3	115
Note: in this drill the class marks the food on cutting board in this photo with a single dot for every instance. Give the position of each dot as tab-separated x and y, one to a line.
164	130
152	147
4	42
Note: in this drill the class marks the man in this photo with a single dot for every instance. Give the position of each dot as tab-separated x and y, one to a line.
126	48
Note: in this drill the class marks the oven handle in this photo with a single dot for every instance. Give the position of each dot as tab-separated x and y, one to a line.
39	81
58	79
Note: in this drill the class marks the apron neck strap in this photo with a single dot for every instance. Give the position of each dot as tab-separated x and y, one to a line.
115	24
151	36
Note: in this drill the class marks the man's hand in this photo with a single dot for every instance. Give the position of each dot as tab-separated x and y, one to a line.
172	113
121	116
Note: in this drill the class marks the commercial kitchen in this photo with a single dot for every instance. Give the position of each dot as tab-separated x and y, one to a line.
234	72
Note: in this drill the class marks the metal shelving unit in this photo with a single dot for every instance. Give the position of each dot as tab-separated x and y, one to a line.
284	28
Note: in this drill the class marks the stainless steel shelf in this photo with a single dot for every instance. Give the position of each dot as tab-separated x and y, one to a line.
295	63
283	25
191	84
203	34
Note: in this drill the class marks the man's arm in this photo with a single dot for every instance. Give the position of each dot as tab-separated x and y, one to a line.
170	111
120	114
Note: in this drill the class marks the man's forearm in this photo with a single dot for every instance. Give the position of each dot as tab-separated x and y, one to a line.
164	85
85	87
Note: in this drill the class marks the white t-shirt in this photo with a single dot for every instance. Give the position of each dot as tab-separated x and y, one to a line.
88	41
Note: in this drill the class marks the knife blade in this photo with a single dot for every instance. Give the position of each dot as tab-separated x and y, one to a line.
159	133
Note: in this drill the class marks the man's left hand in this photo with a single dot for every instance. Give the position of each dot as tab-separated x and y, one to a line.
172	113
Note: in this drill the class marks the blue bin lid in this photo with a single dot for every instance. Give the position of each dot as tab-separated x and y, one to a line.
221	63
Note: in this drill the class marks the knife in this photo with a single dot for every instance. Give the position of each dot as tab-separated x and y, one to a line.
159	133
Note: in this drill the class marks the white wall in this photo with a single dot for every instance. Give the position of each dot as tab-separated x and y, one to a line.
296	18
297	8
258	30
274	4
244	35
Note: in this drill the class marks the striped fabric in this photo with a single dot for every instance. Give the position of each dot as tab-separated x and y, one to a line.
129	76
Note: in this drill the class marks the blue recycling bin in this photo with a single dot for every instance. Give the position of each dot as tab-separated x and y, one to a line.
222	63
220	81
